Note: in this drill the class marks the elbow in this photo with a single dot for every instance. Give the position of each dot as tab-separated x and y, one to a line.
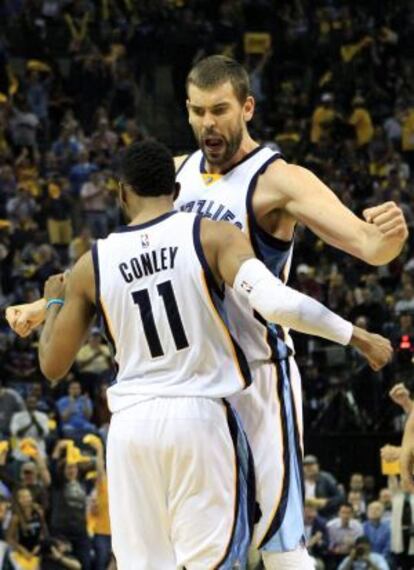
52	372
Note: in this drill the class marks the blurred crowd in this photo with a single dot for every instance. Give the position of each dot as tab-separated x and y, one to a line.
80	80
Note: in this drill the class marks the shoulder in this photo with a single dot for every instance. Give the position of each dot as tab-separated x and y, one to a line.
179	161
218	232
327	477
82	277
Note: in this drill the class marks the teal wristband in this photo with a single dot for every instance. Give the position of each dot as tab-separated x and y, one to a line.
54	302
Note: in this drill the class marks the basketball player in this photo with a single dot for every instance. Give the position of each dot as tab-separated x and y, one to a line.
178	489
235	179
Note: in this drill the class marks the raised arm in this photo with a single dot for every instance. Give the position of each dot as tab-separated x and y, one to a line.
231	258
66	326
376	240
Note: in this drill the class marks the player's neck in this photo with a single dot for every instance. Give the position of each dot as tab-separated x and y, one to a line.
246	147
143	211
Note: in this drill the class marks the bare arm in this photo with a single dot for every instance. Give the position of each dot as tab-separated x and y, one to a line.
43	470
12	537
65	328
407	455
231	259
302	195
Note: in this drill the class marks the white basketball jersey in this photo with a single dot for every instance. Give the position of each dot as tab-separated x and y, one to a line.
228	196
164	314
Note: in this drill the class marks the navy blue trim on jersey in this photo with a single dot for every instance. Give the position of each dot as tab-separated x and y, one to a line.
224	172
254	227
218	304
280	511
184	162
95	262
212	283
237	549
136	227
99	311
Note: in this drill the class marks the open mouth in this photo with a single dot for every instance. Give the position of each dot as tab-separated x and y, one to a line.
214	144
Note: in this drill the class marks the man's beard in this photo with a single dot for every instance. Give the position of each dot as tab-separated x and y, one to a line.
226	153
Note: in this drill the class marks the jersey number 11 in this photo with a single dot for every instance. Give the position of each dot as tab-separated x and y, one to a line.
142	299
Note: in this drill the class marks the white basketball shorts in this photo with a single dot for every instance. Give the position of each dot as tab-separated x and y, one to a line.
181	486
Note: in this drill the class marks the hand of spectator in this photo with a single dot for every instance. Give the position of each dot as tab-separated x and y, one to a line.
401	396
94	441
389	219
375	348
390	453
352	554
56	555
317	503
4	449
60	446
23	319
315	539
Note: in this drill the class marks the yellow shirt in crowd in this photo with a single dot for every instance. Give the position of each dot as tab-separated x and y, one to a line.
407	142
320	118
361	119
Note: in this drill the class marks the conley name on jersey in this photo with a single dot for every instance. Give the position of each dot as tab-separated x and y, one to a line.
148	263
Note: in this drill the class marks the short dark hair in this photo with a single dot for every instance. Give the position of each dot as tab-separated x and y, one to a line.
148	167
362	540
345	504
216	70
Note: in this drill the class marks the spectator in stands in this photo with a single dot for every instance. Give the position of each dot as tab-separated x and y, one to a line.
22	206
101	414
362	557
35	476
80	244
23	126
316	533
94	361
57	209
323	117
99	511
10	403
29	423
406	303
75	410
94	197
343	532
5	516
361	120
378	531
355	498
321	488
69	501
385	498
66	149
27	529
57	555
402	521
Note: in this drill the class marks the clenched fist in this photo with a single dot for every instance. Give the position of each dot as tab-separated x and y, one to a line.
389	219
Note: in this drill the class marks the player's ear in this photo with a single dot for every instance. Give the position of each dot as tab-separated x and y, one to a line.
248	108
177	188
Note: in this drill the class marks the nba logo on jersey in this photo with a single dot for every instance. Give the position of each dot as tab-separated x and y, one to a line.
145	240
246	286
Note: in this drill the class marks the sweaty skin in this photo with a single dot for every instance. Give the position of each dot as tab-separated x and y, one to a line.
287	193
